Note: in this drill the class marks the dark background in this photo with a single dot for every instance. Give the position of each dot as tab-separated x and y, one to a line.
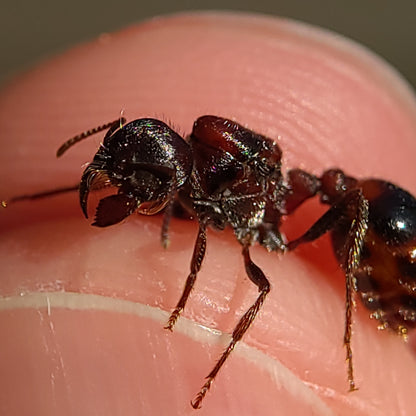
33	30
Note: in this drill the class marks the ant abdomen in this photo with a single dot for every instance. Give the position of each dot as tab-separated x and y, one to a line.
386	275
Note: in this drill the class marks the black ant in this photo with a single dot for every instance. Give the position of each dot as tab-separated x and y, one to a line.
225	175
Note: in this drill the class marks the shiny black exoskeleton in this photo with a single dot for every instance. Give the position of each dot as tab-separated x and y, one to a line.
386	274
225	175
147	162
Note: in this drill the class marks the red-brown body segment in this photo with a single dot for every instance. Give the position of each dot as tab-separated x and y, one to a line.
236	181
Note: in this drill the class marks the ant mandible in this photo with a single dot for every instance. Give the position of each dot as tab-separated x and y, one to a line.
226	175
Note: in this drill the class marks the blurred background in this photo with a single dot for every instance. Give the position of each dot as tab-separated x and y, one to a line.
31	31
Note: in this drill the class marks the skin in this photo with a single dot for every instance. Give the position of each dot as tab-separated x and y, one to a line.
83	309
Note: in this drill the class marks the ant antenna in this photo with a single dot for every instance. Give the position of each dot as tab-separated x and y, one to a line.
113	125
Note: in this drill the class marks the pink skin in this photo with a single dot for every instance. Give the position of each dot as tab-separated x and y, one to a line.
328	103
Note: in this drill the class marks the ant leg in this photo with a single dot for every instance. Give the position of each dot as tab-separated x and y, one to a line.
40	195
197	257
354	202
257	276
301	186
354	244
167	216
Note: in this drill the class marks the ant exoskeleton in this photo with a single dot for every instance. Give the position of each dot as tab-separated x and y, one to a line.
225	175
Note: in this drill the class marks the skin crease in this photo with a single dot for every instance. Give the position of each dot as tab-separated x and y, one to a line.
327	102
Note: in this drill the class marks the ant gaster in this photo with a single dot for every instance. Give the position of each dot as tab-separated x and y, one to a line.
225	175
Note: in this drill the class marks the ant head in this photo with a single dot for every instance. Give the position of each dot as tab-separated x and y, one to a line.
146	161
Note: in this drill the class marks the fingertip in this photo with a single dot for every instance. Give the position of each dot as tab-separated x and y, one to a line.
328	103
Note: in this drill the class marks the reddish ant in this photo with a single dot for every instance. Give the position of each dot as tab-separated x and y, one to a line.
226	175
